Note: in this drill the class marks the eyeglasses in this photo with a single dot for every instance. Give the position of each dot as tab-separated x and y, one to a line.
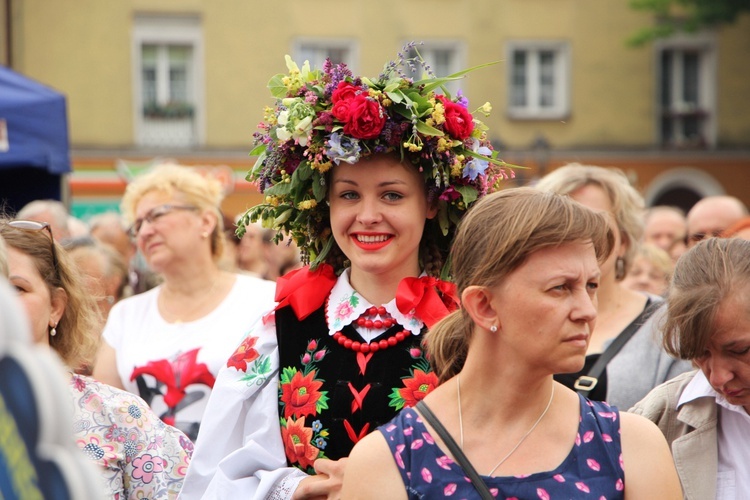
32	225
154	214
697	237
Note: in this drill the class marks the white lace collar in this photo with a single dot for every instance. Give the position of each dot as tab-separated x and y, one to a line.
345	305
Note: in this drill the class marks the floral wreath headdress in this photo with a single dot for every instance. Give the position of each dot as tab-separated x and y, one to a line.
322	118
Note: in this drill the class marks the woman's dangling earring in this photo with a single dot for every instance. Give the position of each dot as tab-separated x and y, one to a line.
619	268
53	331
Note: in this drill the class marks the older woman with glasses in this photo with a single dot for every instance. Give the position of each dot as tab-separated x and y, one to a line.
137	454
167	344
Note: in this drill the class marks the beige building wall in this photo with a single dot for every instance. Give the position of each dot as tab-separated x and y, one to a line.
84	48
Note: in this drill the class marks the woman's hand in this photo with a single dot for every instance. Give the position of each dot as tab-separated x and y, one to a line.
326	484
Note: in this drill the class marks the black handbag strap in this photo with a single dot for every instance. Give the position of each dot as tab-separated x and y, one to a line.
455	450
586	383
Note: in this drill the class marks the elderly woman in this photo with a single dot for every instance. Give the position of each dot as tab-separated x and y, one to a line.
168	344
137	454
704	414
624	361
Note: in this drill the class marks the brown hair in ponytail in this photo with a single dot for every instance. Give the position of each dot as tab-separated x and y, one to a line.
494	238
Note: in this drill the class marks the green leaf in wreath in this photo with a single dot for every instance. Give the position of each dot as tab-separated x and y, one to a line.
319	186
468	193
427	130
277	87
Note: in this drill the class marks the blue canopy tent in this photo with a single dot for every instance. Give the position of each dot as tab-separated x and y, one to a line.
34	150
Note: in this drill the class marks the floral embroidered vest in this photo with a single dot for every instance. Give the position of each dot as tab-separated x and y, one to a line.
330	397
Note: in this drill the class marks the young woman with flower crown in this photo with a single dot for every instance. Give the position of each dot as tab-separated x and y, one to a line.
369	177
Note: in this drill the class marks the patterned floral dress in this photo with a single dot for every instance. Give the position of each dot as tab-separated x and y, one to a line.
139	456
592	469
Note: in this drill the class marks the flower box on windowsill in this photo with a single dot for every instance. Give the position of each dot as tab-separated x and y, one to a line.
169	111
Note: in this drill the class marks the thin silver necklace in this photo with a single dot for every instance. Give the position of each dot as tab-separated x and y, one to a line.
523	438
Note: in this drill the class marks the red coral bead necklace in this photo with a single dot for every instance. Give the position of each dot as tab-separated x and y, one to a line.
366	321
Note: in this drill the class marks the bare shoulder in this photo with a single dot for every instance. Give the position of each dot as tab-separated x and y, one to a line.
649	469
371	471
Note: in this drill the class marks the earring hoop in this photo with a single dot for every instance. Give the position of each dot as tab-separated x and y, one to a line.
619	269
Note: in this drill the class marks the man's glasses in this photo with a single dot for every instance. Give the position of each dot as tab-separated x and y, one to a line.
698	237
32	225
154	214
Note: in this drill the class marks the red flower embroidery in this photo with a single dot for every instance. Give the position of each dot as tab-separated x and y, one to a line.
297	445
244	354
417	387
301	395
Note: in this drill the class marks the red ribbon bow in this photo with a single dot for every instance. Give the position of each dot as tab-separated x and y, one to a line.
304	290
420	295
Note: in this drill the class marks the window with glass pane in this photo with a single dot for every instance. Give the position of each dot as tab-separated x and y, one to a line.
166	81
683	116
546	78
317	53
442	60
537	86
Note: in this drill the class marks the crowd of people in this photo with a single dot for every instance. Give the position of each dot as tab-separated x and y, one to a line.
392	321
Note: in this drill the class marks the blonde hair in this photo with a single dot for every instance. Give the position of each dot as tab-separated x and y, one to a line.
77	336
658	258
494	238
202	191
703	278
627	203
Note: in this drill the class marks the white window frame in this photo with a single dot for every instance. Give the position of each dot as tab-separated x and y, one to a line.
705	44
320	48
562	69
458	48
169	30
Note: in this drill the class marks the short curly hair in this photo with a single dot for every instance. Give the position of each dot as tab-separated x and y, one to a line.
201	191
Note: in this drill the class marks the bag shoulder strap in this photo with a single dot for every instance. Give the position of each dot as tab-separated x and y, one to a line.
455	450
586	383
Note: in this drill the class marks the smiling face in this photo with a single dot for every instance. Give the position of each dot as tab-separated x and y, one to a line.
547	307
378	213
42	309
726	360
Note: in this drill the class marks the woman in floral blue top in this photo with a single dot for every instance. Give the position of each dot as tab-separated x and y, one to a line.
526	266
138	455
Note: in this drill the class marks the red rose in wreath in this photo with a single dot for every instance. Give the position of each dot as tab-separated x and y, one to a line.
366	118
458	121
